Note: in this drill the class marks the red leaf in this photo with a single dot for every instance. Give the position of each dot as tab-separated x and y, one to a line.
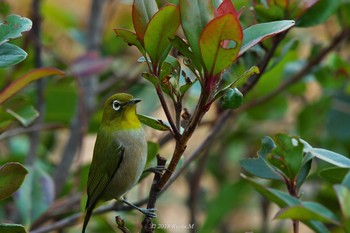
226	7
219	33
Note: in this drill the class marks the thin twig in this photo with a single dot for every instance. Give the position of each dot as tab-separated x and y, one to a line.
31	129
36	35
342	36
166	110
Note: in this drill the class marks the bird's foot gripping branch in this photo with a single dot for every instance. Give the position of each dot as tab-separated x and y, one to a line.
213	40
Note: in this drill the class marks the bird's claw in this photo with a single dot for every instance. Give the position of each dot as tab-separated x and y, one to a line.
150	213
157	170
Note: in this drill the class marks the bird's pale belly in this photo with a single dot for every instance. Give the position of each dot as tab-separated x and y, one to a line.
132	165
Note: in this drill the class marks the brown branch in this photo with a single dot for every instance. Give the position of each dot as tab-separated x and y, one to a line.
121	224
147	224
227	115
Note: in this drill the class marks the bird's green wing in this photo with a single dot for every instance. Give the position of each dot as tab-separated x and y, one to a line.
108	154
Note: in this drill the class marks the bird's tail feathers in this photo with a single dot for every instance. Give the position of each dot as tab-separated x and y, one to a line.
88	214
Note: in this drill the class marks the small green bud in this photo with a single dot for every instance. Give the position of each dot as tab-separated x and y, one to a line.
231	99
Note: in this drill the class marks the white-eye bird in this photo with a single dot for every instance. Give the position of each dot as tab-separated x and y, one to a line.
119	156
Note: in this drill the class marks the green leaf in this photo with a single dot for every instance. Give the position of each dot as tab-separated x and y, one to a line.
142	12
283	200
162	26
280	198
26	115
260	168
304	172
151	78
130	38
246	74
219	31
154	123
258	32
13	27
267	145
185	50
12	228
308	211
152	151
23	81
11	55
184	88
11	178
334	175
287	156
35	195
343	195
330	157
318	13
194	17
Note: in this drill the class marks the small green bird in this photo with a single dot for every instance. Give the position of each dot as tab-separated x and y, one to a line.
120	154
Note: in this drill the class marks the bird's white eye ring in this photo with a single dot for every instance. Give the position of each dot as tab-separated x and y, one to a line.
116	105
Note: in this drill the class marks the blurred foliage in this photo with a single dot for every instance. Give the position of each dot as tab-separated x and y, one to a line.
317	109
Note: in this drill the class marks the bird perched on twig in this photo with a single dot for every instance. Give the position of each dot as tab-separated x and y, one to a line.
119	157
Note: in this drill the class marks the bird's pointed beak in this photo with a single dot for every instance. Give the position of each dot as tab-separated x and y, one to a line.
133	101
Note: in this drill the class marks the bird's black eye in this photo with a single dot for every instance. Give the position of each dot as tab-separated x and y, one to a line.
116	105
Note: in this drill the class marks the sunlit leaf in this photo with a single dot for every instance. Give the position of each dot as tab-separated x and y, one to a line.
162	26
11	55
11	178
330	157
217	32
23	81
258	32
12	27
142	12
